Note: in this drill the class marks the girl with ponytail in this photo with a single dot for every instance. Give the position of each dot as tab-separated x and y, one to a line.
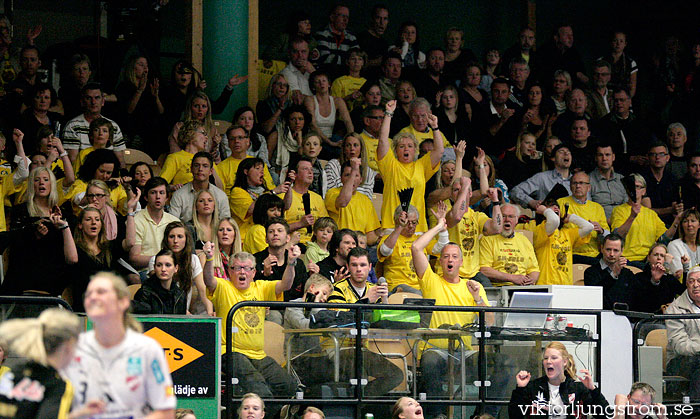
559	393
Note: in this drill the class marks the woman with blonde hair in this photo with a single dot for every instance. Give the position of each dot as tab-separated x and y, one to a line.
269	110
687	245
205	216
252	407
197	109
114	356
523	163
227	244
559	392
48	345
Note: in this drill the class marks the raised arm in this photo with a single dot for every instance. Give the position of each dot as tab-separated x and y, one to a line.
622	230
288	276
67	166
387	248
460	206
346	191
438	141
420	259
209	278
70	252
495	224
383	146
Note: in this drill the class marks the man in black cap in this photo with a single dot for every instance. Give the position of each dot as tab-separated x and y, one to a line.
532	191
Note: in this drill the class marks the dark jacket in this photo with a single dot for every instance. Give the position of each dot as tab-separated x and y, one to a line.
573	394
152	298
614	290
651	298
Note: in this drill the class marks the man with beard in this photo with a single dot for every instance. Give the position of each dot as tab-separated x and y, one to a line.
428	82
372	40
334	266
509	258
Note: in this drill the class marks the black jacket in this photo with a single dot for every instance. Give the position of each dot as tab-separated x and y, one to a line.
614	290
575	396
152	298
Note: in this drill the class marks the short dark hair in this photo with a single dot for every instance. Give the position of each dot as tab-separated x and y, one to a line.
93	85
338	237
247	163
153	183
30	48
358	252
367	112
433	49
389	55
96	159
315	75
655	144
612	237
500	80
621	89
301	159
264	203
604	144
277	220
203	155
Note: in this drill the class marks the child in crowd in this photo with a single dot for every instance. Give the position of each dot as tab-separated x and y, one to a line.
317	248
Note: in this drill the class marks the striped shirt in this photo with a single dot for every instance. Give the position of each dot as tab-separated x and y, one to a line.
334	48
76	135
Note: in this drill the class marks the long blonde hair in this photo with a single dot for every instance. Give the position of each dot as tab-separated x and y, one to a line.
570	369
32	208
198	228
122	292
518	147
363	153
208	122
37	338
237	246
105	255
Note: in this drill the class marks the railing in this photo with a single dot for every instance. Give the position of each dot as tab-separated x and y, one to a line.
34	300
479	330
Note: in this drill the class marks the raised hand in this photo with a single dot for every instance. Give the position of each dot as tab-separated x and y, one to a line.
17	136
133	199
340	274
480	157
294	254
493	194
460	150
440	210
390	106
474	287
235	81
313	268
269	262
208	249
432	121
155	87
522	378
587	379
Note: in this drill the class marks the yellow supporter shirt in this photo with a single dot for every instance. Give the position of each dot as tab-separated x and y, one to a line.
466	235
643	233
591	211
398	266
250	321
555	254
398	176
240	200
371	144
177	168
296	211
422	136
7	188
117	196
448	294
514	255
255	239
346	85
81	158
265	75
358	215
227	172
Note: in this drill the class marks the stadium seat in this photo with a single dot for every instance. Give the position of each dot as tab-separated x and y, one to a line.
132	289
132	155
274	342
377	201
579	269
673	384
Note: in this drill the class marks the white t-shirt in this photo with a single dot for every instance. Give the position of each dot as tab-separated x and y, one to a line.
556	405
132	378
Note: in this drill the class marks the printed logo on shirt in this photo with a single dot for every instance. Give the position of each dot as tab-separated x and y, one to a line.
133	366
157	372
572	398
133	382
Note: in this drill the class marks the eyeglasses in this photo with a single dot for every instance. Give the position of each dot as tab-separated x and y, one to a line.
95	195
580	183
242	268
412	223
662	154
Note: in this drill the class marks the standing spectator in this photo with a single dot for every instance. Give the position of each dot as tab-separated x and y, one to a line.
600	95
79	74
624	68
453	116
662	186
348	86
430	81
456	56
560	54
372	40
353	147
335	41
501	124
609	272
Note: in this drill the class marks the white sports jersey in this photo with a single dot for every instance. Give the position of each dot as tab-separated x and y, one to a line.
132	378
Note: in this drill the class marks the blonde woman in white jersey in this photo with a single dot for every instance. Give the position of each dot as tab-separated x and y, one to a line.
115	363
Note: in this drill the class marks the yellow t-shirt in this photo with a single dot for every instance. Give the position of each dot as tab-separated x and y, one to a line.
643	233
398	266
358	215
255	239
591	211
371	144
555	254
514	255
265	75
250	321
117	196
466	235
398	176
7	188
240	200
227	172
177	168
81	158
448	294
296	211
422	136
346	85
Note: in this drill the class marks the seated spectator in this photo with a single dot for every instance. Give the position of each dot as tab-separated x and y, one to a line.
531	192
407	45
391	74
271	263
554	244
251	407
450	290
638	225
453	117
400	169
150	223
372	39
610	272
189	275
639	403
655	287
485	179
325	110
439	187
405	95
239	144
267	206
519	74
101	136
683	334
355	146
96	252
351	209
161	293
429	81
191	139
205	217
335	40
99	165
40	98
457	58
296	212
676	138
139	100
599	94
72	85
298	70
183	199
313	413
255	370
76	132
579	204
356	289
406	407
606	185
508	258
197	109
537	117
19	90
690	184
576	107
139	173
298	25
227	244
523	48
561	85
248	186
521	164
582	146
347	87
501	126
310	149
372	98
662	186
547	149
270	109
286	139
245	117
685	247
317	248
334	266
38	229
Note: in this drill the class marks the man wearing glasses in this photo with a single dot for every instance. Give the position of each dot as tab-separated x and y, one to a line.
593	212
600	96
256	372
662	185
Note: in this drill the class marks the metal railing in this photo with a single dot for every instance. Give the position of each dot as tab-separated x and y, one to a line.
34	300
479	330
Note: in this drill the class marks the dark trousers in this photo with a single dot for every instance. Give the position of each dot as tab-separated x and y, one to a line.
386	375
688	367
